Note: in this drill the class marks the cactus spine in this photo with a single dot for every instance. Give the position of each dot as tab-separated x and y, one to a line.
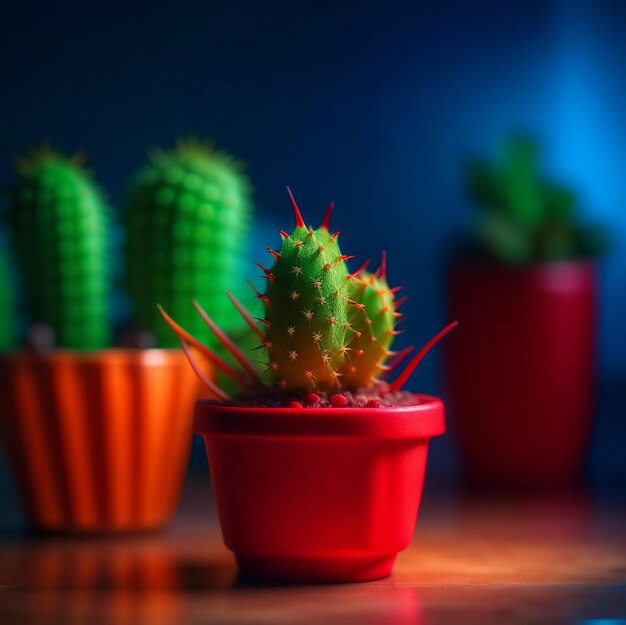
59	224
187	217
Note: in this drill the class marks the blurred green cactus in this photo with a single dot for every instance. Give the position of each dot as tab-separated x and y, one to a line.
7	311
59	226
524	218
187	217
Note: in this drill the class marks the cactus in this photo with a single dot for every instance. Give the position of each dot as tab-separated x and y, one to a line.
187	216
524	218
7	319
325	329
59	224
306	321
375	323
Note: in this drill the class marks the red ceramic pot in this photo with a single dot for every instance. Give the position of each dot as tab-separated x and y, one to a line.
318	495
521	376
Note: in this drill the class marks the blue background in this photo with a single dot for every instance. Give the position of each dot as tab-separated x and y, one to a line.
375	107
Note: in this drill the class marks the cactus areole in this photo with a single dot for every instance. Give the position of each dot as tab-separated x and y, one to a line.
325	339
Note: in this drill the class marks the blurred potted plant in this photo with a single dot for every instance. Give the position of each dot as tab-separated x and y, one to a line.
521	382
317	468
97	437
7	307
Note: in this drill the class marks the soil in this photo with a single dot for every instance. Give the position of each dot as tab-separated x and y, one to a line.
376	397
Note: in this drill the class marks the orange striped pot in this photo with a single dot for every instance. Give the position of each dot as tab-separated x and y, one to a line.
97	441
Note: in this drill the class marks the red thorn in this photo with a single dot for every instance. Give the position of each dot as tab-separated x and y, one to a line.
362	268
283	234
251	285
351	302
214	388
326	221
401	380
237	354
247	317
274	253
335	235
264	298
346	257
296	210
265	322
399	357
401	302
183	335
396	289
268	274
382	270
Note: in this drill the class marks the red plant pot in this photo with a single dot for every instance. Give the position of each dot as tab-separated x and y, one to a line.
521	376
318	495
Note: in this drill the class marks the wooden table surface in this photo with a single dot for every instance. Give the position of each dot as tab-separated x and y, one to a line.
552	559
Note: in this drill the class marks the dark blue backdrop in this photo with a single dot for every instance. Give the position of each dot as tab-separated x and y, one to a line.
374	107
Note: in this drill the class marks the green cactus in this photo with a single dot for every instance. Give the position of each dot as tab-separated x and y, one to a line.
306	320
187	218
523	218
375	325
59	224
325	330
7	312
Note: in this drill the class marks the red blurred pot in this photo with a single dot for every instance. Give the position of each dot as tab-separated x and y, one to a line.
521	376
318	495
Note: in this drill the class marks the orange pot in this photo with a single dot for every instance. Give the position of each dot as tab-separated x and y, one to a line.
97	441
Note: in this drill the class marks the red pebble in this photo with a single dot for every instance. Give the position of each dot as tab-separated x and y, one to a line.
312	398
294	404
373	403
339	401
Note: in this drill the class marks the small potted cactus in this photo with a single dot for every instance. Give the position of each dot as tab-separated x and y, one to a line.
318	462
521	382
98	436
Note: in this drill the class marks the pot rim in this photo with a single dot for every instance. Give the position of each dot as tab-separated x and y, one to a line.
151	356
421	421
